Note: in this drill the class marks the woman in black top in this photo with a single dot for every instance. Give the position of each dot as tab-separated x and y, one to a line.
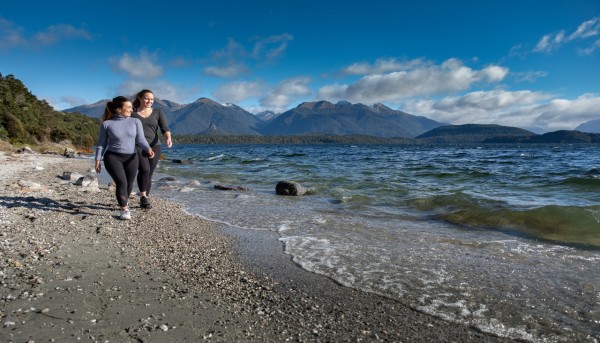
152	120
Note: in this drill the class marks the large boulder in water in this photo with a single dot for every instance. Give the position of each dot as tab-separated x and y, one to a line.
289	188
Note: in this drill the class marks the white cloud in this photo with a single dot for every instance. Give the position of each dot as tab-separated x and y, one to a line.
231	51
272	47
553	41
525	109
55	33
564	114
142	67
550	42
233	59
528	76
381	66
238	91
590	49
12	35
286	92
226	71
494	73
425	79
586	29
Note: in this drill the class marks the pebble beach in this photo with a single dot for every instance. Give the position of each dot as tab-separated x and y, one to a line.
72	271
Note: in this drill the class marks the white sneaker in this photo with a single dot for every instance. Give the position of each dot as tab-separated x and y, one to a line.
125	215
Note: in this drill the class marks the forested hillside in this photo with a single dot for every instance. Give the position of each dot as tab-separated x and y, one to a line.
26	120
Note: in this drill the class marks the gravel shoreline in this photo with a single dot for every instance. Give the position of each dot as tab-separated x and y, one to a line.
72	271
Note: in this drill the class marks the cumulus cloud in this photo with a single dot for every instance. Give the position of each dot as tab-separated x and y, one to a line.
143	66
553	41
286	92
423	79
565	114
526	109
12	35
238	91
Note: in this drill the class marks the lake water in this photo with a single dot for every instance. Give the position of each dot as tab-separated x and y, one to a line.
502	238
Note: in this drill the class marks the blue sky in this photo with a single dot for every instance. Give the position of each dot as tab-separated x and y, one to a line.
530	64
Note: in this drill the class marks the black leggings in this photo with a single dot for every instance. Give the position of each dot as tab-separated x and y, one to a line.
146	168
122	168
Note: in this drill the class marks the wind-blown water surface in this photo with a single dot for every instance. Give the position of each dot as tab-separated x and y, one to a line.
502	238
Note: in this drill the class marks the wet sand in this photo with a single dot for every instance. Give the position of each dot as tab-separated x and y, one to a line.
72	271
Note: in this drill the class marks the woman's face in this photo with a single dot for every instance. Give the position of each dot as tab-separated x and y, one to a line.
126	109
147	100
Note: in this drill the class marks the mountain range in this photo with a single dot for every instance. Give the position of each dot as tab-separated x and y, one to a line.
205	116
208	117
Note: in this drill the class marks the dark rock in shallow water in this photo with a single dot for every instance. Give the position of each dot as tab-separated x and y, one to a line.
167	179
231	188
188	161
290	188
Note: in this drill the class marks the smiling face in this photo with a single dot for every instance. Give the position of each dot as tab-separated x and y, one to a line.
146	100
126	109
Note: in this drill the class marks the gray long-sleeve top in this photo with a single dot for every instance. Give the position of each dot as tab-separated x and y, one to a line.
120	134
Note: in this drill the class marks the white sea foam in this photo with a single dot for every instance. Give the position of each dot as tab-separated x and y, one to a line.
386	246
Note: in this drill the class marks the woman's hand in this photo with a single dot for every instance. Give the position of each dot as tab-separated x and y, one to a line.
98	167
150	153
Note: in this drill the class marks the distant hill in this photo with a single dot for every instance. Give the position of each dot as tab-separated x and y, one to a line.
473	133
566	136
26	120
205	115
592	126
94	110
344	118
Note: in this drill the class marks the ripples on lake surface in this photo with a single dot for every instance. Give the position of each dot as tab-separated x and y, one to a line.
502	238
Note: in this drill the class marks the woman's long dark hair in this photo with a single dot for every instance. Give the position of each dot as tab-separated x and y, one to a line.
111	107
137	102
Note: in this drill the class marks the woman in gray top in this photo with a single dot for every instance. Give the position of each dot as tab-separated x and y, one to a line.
152	120
119	134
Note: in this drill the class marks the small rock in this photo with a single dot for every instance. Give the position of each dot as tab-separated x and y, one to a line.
289	188
231	188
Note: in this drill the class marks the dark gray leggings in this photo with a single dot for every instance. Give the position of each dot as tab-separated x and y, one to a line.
122	168
146	168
